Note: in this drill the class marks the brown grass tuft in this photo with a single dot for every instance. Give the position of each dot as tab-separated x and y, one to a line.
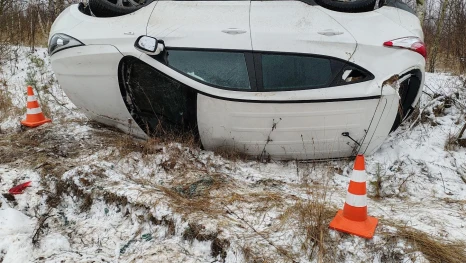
196	231
112	198
6	105
86	204
451	144
164	221
185	206
153	145
252	257
378	182
436	250
218	246
311	219
232	154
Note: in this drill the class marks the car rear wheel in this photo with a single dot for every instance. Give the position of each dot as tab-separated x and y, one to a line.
111	8
348	6
408	92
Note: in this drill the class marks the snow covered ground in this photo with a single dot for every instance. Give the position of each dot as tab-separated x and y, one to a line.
99	196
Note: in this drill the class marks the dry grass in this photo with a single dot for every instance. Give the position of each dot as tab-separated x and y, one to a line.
126	144
452	64
186	206
199	190
252	257
164	221
455	140
5	101
231	153
378	182
218	246
7	108
196	191
435	250
23	146
311	219
451	144
153	145
196	231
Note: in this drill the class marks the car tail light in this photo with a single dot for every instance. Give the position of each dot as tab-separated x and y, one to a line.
412	43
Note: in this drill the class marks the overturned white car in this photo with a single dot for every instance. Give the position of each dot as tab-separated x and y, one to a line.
286	79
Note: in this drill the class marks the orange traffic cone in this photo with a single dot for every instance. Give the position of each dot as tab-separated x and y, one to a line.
353	218
34	115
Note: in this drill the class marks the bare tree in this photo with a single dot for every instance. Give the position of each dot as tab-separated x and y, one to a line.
435	45
420	10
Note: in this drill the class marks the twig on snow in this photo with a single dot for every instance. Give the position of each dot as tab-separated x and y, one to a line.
39	227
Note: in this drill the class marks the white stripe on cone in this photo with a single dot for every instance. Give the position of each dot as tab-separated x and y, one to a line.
356	200
34	111
359	176
31	98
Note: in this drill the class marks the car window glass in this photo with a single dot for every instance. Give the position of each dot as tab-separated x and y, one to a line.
289	72
353	75
157	102
224	69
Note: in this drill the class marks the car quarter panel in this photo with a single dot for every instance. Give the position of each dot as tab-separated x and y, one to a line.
381	61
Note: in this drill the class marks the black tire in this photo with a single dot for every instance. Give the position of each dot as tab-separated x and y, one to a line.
110	8
356	6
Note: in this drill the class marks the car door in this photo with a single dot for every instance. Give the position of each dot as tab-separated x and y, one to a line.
202	24
205	43
296	48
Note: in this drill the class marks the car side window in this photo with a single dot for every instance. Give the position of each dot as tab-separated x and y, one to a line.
219	68
294	72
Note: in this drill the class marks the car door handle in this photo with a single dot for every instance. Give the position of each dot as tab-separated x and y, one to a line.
234	31
329	33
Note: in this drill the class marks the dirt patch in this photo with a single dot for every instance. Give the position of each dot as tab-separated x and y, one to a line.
218	246
196	231
112	198
86	204
165	221
9	197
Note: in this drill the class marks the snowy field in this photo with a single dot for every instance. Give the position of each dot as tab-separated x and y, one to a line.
99	196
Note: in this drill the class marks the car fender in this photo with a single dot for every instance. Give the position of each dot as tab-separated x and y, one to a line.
88	75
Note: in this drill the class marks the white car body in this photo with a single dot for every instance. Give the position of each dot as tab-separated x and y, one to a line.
282	124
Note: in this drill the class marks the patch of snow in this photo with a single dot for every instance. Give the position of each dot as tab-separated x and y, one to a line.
141	208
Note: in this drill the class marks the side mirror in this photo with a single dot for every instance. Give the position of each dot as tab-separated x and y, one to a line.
148	45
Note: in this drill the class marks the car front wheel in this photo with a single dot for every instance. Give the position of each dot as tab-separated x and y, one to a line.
111	8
